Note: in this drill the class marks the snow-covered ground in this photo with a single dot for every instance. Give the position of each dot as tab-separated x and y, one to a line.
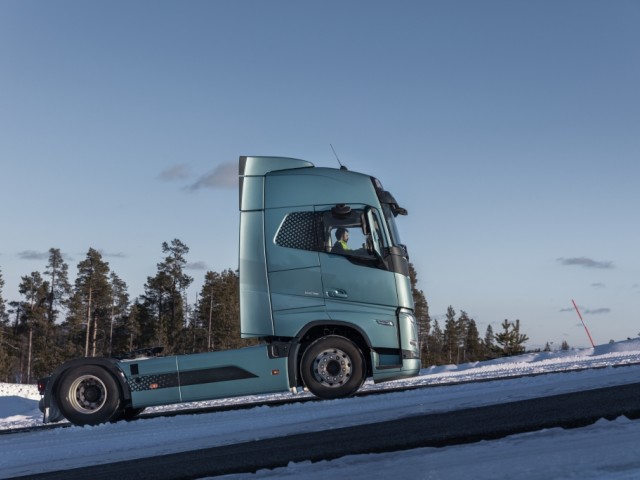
607	449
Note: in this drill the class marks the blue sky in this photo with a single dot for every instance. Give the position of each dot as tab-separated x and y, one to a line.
510	130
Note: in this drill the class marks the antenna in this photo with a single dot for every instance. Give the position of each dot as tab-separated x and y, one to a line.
342	167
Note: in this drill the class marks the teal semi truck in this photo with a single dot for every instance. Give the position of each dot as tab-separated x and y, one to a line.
324	284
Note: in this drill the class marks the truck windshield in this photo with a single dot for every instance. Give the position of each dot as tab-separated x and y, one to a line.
390	209
391	223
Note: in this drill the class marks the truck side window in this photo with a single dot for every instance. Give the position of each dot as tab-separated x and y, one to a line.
300	230
357	234
349	234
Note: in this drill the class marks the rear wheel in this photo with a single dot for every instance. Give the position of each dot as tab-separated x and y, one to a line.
333	367
88	395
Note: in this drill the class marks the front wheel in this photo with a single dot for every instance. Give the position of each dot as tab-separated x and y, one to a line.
88	395
333	367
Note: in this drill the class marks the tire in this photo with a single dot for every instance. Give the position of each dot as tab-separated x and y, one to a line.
332	367
88	395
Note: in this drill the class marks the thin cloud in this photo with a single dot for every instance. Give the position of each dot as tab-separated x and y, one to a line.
585	262
112	255
175	172
223	176
105	254
33	255
596	311
586	311
196	266
598	285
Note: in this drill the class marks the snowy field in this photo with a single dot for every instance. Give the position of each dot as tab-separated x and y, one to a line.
607	449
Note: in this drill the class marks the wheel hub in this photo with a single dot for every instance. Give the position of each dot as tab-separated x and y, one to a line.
90	394
332	367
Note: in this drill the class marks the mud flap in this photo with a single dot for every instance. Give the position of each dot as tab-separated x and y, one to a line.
51	413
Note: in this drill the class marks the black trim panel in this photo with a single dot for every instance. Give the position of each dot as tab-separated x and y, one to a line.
185	379
213	375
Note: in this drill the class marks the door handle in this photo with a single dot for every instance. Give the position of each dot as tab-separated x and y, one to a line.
337	293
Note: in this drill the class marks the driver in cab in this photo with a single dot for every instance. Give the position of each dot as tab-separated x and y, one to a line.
342	237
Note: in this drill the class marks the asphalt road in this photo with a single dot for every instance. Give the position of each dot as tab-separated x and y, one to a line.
452	428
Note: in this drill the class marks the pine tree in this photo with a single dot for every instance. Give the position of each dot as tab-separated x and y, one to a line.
489	348
34	336
197	337
519	339
473	344
462	330
59	287
73	328
206	318
119	328
153	314
92	301
451	337
164	295
12	342
218	313
4	316
142	326
5	354
421	313
510	339
435	345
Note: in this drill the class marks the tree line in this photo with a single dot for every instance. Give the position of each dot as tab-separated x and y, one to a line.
55	320
458	339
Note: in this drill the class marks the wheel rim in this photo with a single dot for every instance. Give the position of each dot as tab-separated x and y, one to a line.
87	394
332	367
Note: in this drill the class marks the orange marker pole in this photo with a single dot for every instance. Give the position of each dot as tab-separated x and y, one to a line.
583	324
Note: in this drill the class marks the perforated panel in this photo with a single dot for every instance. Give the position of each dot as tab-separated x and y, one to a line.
145	382
299	231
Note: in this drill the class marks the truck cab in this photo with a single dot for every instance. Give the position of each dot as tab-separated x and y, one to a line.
300	287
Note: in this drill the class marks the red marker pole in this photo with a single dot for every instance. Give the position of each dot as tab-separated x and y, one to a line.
583	324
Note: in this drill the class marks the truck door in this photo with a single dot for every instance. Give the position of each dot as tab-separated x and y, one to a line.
357	287
293	268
